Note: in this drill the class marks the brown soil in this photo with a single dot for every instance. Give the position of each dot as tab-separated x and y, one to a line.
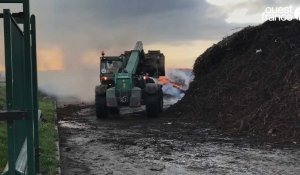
248	83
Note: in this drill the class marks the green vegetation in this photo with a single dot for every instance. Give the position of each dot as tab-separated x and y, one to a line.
3	132
48	135
3	145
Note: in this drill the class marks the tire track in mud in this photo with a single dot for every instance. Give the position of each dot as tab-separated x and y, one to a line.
132	144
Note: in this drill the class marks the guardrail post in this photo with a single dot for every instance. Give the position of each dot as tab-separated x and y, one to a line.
9	94
28	89
21	86
35	89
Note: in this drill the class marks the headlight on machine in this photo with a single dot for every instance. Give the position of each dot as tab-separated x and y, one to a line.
103	78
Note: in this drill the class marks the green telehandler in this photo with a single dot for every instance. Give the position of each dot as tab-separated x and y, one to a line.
130	80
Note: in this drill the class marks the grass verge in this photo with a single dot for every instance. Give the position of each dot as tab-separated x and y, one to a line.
47	135
3	132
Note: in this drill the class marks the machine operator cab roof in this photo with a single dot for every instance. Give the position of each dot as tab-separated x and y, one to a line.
111	65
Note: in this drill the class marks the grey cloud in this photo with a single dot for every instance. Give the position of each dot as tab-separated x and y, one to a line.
258	6
155	20
79	26
127	8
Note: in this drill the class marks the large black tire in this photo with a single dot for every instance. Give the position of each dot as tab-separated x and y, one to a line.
152	105
101	107
161	100
114	111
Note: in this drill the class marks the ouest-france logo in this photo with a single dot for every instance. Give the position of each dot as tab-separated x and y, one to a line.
287	13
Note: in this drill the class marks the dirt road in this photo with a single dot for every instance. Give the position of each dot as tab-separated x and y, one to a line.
133	144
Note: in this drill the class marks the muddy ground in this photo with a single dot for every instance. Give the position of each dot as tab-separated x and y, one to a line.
133	144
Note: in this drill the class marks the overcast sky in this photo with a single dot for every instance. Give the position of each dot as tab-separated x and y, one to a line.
72	33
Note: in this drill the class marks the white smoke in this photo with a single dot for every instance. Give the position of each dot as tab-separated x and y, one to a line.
169	89
78	86
183	77
180	76
69	86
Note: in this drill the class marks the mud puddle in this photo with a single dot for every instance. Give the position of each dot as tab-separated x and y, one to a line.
133	144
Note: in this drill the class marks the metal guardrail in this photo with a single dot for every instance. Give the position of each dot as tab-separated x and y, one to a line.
21	90
12	1
21	163
12	115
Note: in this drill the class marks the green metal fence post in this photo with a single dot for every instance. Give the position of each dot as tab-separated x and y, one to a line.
28	90
9	96
21	89
35	89
18	81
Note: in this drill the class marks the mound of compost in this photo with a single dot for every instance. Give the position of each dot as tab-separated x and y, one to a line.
249	83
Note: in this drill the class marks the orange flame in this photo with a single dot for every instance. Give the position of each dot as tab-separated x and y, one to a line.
165	80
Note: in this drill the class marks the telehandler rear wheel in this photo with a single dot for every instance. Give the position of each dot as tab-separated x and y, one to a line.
152	105
114	111
101	108
161	100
